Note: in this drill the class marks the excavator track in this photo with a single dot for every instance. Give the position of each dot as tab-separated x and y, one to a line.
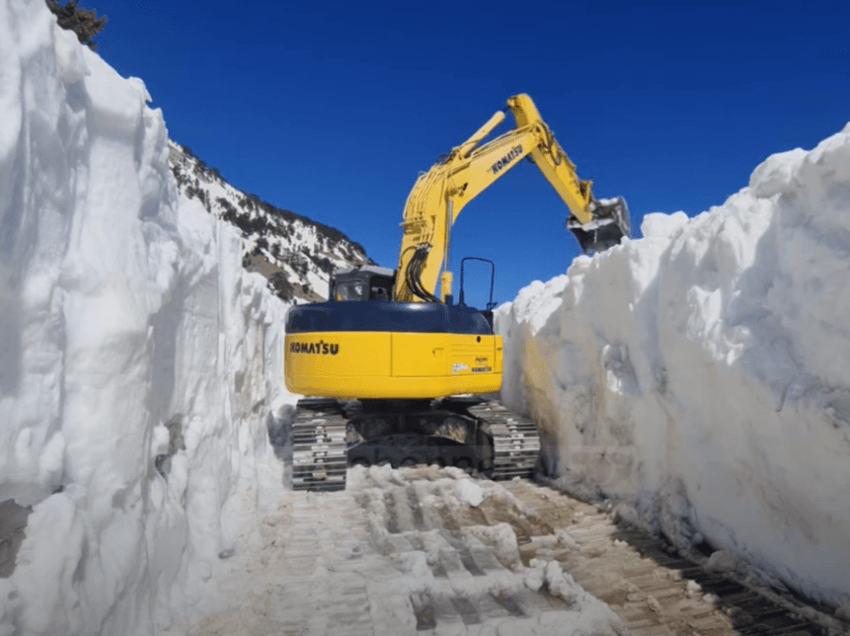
319	454
516	444
323	433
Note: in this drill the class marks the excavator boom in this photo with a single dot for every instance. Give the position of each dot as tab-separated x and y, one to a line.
439	195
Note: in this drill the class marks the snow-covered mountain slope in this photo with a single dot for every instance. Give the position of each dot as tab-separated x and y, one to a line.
296	254
140	364
701	376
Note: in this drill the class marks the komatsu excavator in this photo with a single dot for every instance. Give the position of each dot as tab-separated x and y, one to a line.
398	367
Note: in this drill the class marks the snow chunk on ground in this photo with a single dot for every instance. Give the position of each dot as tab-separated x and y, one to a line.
722	562
501	539
590	614
469	493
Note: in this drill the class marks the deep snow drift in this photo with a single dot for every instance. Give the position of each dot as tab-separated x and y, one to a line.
139	363
701	376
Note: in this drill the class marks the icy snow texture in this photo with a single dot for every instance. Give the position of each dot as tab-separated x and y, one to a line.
122	309
701	375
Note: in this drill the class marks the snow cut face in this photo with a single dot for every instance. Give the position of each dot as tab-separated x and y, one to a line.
702	374
139	363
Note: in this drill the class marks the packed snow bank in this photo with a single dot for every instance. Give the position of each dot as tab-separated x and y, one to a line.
138	362
701	375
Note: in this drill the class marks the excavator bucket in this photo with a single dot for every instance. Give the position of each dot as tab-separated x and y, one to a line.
610	223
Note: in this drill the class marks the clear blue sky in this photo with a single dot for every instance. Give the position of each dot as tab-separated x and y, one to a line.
330	109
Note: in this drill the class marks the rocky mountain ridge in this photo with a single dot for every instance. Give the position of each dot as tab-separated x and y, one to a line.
296	254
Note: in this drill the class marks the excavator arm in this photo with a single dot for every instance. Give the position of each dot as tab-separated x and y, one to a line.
439	195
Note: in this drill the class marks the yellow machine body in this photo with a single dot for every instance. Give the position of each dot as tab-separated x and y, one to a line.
392	365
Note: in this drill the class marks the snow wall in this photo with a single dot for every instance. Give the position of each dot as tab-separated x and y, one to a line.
139	363
700	376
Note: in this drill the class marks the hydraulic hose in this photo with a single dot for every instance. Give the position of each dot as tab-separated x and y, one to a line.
413	274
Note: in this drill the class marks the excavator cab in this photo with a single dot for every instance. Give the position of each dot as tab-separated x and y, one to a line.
363	283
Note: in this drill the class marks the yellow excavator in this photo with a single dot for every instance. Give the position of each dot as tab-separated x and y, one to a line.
398	368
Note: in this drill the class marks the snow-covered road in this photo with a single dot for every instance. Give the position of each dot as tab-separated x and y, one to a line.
435	551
